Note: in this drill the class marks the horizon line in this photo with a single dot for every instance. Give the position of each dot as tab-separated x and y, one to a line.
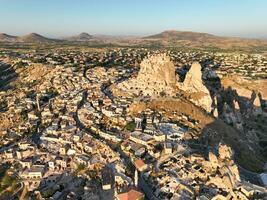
49	36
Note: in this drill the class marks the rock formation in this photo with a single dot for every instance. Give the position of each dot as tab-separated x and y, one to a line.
193	85
229	174
193	80
239	104
255	103
157	69
155	78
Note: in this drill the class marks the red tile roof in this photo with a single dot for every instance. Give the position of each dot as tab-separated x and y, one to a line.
139	164
130	195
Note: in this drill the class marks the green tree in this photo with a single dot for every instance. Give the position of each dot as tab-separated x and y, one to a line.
130	126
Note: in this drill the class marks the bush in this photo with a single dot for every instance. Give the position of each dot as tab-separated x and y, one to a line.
130	126
6	181
48	193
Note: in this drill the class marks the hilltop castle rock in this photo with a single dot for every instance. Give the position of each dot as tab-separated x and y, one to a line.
157	69
157	78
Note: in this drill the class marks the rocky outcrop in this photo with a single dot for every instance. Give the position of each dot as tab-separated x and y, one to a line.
256	106
193	80
246	106
158	69
223	163
194	87
155	78
235	109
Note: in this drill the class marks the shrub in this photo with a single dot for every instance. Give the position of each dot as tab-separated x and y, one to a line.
130	126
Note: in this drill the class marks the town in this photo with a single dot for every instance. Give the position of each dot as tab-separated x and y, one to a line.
67	132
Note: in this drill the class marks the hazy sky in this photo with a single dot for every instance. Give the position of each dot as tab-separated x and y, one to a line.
56	18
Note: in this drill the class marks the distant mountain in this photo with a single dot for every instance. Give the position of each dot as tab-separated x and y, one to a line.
35	38
195	39
7	38
82	37
184	39
181	35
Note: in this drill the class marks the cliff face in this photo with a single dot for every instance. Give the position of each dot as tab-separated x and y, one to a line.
196	90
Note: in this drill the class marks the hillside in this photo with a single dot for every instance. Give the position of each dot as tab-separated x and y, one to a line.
180	39
195	39
33	38
80	38
7	38
181	35
29	38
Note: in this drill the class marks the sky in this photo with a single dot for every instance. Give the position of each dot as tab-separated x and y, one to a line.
61	18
